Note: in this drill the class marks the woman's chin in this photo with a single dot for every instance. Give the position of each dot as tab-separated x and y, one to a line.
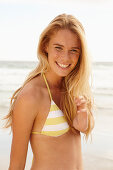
61	74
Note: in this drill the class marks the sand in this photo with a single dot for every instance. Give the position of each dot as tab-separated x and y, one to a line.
97	155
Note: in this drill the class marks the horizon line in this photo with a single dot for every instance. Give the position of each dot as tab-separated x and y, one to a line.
37	61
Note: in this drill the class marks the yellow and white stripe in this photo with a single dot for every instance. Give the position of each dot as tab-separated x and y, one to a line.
55	124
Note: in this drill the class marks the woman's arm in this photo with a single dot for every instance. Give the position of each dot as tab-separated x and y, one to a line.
83	116
23	117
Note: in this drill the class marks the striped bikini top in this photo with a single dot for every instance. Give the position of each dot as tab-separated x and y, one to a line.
56	123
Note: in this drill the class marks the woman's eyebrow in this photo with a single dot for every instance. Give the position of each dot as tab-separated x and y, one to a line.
76	48
58	44
63	46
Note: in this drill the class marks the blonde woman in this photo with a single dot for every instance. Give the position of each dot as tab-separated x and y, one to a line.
55	102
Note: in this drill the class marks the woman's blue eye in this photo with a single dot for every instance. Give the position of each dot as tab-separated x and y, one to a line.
74	51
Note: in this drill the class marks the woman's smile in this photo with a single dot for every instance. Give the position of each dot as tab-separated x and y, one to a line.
63	66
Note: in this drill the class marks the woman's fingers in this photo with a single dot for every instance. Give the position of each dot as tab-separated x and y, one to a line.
82	110
80	99
80	102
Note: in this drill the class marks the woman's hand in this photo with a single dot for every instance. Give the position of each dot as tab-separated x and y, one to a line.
80	121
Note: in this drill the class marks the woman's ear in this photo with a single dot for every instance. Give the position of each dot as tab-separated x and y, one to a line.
46	50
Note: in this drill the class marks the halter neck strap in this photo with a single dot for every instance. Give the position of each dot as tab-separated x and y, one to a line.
47	86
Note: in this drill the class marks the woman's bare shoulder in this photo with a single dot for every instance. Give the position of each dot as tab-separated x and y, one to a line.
27	106
32	92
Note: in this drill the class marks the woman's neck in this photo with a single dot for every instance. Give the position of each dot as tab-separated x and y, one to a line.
55	81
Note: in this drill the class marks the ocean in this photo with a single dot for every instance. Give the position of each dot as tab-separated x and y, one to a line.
13	74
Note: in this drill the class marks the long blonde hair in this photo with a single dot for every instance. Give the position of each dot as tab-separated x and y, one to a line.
76	83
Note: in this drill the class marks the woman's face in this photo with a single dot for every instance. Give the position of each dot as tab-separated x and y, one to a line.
63	52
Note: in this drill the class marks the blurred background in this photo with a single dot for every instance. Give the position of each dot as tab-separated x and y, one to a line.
21	23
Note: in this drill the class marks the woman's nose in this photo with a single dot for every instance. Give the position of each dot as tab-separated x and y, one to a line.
65	55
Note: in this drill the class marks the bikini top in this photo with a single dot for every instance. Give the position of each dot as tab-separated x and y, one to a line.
56	123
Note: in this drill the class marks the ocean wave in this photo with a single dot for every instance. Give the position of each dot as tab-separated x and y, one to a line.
105	107
103	91
107	64
18	64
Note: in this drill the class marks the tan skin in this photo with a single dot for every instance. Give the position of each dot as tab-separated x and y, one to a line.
32	107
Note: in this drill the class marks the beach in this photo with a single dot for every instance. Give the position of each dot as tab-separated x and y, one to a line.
98	154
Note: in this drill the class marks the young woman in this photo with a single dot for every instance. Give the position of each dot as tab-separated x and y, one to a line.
55	102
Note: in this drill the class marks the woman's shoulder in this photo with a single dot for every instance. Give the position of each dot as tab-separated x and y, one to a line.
32	92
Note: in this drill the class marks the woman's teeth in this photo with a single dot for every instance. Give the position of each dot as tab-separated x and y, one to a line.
62	65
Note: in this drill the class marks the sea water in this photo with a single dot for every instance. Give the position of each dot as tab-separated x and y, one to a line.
14	73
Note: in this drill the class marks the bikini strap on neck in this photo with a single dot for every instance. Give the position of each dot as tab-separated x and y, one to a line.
47	86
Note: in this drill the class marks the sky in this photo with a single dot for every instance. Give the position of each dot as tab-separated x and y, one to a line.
22	21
